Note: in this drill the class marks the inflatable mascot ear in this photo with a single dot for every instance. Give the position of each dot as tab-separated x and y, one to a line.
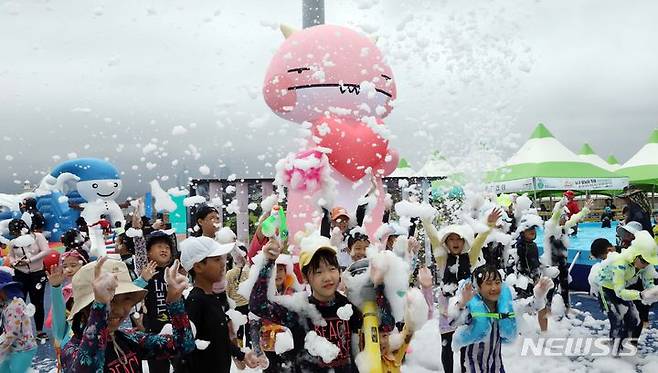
99	184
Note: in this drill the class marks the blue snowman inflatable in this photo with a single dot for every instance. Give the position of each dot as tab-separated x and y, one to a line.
98	183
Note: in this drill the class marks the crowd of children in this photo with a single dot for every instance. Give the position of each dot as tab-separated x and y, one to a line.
332	298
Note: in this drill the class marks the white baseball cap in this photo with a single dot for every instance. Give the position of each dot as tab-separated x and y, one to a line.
196	249
632	227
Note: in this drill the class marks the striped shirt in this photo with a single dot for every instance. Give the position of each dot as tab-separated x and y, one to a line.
485	357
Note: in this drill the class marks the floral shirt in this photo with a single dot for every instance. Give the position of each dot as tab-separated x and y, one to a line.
17	328
98	351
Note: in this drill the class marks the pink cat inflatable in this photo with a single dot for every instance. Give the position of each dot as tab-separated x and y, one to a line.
337	80
325	69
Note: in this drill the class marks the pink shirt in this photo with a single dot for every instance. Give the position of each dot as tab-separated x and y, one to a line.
34	254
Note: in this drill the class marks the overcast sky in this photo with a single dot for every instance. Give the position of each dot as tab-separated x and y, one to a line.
107	78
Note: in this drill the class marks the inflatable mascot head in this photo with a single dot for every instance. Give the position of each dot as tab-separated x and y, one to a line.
96	179
324	67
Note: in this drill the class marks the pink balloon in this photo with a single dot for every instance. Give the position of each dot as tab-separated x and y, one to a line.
389	164
354	145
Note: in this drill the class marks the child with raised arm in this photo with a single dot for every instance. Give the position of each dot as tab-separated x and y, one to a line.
456	255
487	312
556	239
264	333
315	318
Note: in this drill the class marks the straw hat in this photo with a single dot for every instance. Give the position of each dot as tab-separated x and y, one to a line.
83	290
629	191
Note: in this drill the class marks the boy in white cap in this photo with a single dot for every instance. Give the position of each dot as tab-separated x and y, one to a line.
205	260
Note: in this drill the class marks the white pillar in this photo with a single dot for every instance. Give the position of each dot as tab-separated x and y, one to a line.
267	188
242	218
215	191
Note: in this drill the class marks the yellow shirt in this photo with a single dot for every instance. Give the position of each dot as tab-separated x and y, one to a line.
233	279
392	362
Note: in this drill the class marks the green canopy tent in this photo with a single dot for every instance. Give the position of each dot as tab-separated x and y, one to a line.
613	162
543	165
445	180
587	154
403	170
642	168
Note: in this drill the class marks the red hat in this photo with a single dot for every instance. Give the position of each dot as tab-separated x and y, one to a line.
337	212
569	194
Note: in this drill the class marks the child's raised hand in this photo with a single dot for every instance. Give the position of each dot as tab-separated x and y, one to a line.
563	202
271	250
239	364
159	224
149	271
589	203
104	284
251	359
542	287
176	283
493	217
467	294
55	276
413	245
137	218
263	362
425	277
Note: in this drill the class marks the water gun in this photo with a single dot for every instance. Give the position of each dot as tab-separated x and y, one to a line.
275	225
370	328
